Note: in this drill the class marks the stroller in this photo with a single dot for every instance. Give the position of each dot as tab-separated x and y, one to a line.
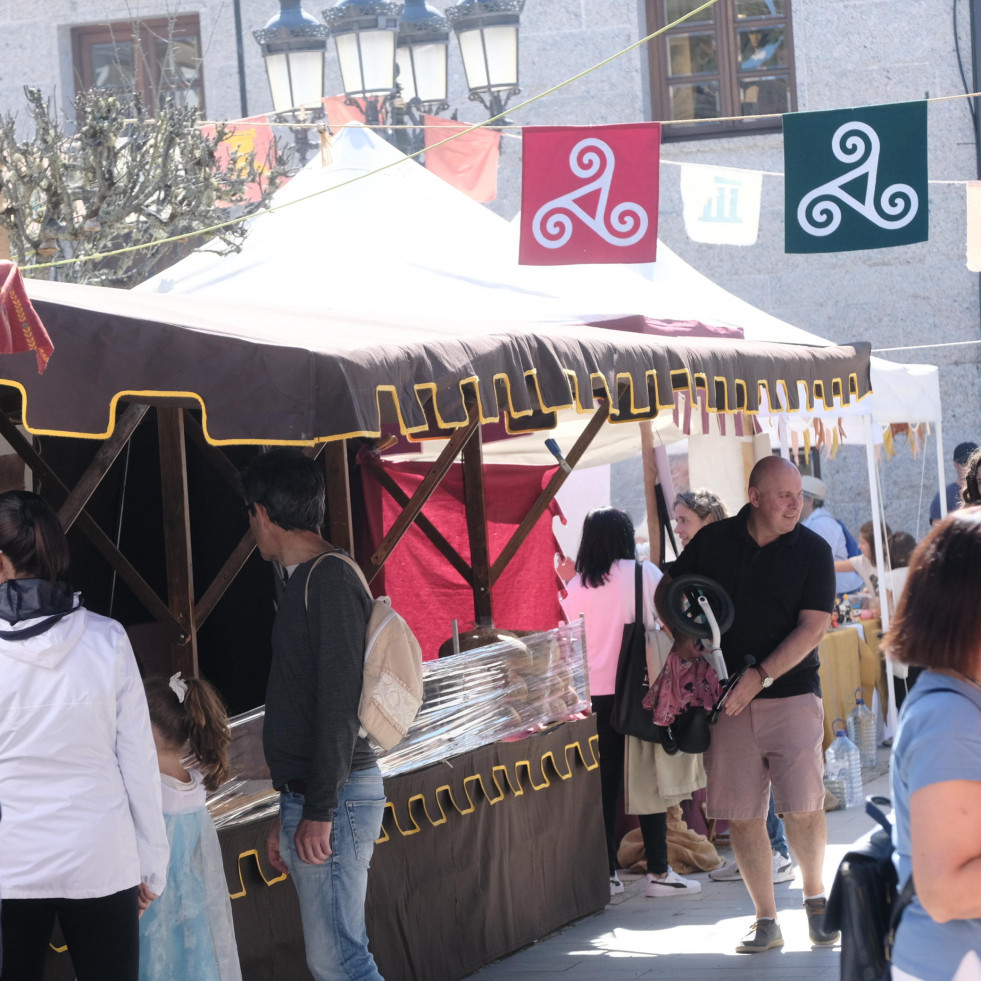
700	607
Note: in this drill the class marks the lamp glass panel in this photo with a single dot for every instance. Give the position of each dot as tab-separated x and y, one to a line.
422	71
370	70
277	68
502	57
307	73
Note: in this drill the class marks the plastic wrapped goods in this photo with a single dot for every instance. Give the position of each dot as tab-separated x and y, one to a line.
500	691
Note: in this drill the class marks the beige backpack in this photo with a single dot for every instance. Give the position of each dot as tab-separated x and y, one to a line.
391	690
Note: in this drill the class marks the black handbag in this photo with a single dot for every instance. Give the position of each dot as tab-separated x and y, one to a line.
864	904
629	717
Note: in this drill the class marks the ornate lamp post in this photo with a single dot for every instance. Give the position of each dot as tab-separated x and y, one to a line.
421	53
293	45
487	31
365	32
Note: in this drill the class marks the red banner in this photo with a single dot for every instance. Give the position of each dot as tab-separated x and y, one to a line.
20	326
252	135
589	194
469	162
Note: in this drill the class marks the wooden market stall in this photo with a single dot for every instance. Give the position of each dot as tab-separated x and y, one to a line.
188	386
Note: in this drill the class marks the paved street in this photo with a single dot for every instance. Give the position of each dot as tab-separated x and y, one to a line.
692	937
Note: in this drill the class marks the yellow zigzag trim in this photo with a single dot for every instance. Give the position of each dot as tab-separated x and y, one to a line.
502	780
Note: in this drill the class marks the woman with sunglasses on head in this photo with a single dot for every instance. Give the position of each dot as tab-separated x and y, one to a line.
83	834
603	590
936	756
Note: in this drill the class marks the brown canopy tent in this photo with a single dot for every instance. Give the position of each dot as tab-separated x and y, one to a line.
260	376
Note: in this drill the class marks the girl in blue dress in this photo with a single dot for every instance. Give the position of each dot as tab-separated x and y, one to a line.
187	933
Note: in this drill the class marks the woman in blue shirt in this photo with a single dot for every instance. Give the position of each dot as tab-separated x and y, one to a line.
936	757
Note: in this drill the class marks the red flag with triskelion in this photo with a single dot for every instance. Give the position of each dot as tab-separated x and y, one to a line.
589	194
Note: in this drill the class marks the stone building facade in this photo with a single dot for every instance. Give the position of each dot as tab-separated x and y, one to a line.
844	53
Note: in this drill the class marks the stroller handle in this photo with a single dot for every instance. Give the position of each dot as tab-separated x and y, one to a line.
714	656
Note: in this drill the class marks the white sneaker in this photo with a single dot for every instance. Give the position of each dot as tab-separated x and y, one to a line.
783	868
616	886
728	873
671	885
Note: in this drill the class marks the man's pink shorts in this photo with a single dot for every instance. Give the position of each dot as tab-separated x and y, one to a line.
773	740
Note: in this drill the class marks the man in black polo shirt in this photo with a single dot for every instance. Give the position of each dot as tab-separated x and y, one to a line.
781	578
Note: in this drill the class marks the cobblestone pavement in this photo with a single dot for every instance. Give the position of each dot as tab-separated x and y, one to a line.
692	938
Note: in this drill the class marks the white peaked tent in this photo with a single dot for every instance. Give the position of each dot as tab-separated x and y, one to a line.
368	233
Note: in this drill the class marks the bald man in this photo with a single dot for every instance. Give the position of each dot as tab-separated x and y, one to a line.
781	578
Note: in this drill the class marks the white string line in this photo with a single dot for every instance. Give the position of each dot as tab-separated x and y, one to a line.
920	347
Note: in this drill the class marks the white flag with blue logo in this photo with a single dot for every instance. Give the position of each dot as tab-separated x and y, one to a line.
722	206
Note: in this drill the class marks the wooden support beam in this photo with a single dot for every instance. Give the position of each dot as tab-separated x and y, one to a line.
340	525
213	454
425	490
104	458
177	538
651	480
91	529
425	525
574	455
476	508
232	567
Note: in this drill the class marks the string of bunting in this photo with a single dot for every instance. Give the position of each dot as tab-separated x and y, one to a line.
853	179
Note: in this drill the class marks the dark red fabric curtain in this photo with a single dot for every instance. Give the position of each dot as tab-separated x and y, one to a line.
427	590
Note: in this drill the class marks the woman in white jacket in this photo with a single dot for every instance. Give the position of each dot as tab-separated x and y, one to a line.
82	836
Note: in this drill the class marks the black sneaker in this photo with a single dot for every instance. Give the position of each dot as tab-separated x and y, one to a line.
763	935
815	909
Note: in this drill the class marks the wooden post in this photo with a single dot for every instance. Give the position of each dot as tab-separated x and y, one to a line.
650	488
425	490
574	455
339	530
4	244
177	538
476	507
104	458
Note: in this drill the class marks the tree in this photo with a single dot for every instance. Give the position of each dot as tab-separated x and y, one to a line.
121	178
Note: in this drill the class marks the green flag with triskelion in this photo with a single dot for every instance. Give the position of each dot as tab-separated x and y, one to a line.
856	178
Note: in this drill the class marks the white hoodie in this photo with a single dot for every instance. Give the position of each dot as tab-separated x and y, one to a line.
79	780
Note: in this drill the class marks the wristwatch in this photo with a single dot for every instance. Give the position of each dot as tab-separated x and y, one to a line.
765	679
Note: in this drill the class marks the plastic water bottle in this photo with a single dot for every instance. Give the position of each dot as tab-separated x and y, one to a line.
861	731
842	763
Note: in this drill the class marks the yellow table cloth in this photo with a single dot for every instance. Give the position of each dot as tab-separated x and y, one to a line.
847	663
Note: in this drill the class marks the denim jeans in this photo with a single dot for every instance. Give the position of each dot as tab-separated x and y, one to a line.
775	830
332	895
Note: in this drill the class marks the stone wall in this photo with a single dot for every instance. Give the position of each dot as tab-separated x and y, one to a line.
848	52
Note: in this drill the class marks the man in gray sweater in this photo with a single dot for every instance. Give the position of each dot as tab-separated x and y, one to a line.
331	792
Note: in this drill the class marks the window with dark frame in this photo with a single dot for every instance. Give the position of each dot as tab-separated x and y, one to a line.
733	59
159	59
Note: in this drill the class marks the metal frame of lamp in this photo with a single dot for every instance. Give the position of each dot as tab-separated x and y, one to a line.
293	44
487	31
364	33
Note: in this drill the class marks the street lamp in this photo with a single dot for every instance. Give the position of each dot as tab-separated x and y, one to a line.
487	31
293	44
364	32
421	55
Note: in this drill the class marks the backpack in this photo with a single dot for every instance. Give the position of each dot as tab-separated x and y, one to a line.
851	546
864	903
391	687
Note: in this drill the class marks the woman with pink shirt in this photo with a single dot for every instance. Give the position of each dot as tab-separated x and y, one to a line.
603	592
